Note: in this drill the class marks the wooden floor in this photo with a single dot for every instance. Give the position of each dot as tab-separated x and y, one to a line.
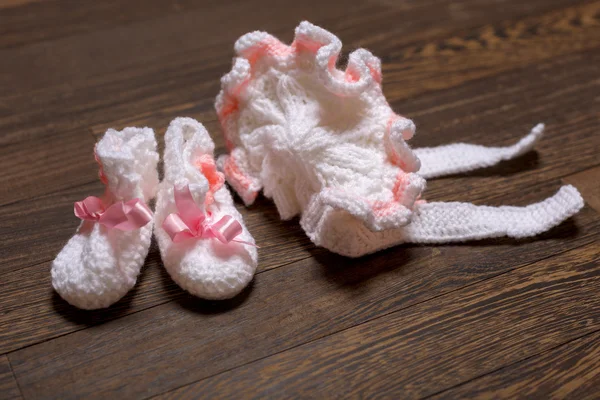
497	318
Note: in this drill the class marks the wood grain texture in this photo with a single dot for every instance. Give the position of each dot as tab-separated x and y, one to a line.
174	28
42	223
315	297
588	183
105	91
569	371
14	3
45	165
182	71
9	390
436	344
34	312
463	117
500	317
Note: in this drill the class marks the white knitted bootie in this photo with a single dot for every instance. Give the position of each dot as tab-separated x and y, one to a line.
324	143
101	262
204	244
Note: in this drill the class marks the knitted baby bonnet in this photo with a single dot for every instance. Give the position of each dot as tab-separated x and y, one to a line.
324	144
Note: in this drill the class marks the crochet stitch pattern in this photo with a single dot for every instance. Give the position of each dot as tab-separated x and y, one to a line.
100	263
203	265
324	143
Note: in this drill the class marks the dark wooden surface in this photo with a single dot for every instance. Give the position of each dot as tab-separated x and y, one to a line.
497	318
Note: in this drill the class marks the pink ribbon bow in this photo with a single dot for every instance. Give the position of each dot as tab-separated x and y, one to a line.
123	216
190	222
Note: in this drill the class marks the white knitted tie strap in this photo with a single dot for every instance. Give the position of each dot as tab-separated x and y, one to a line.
462	157
439	222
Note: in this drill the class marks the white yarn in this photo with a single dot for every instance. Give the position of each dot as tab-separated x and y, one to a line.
461	157
301	127
324	143
438	222
206	268
99	265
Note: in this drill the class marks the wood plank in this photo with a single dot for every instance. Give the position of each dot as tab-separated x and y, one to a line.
47	164
15	3
44	223
588	183
493	48
46	21
93	82
569	371
187	339
149	40
8	385
27	21
173	39
435	344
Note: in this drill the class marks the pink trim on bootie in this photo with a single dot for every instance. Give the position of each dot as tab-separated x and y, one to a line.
206	164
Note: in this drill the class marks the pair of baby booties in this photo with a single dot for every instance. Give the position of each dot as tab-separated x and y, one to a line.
321	142
101	262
